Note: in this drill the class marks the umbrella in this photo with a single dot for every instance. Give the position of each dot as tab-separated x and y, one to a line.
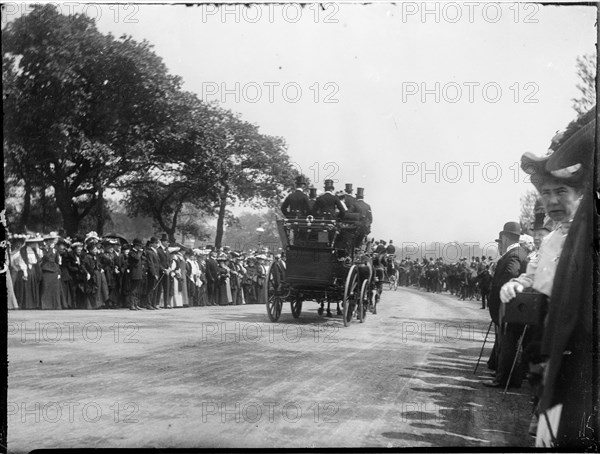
121	238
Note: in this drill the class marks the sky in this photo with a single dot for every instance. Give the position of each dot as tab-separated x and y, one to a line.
427	106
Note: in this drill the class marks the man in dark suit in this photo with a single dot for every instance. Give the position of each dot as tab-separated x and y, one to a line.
312	198
511	264
349	199
296	204
154	271
136	274
366	216
328	205
212	278
164	261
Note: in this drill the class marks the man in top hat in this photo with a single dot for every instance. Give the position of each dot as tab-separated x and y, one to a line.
164	261
366	216
153	273
341	195
136	274
390	249
511	264
212	278
349	199
296	204
312	198
563	272
327	205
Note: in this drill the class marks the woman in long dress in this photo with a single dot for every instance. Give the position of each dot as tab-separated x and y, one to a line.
18	269
224	296
176	278
33	278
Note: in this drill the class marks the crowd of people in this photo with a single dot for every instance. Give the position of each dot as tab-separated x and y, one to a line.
52	272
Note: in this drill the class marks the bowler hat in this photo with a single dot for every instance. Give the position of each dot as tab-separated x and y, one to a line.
137	242
153	240
511	228
348	188
360	193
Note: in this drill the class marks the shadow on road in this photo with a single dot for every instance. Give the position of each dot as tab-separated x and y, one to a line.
454	401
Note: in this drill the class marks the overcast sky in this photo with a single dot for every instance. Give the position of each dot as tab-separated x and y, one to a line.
344	86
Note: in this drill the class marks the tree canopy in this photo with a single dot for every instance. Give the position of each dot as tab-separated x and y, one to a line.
86	111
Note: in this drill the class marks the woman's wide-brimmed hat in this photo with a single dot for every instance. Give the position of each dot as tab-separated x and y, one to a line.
570	157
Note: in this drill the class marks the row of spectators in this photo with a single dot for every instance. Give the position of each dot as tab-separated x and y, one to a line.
51	272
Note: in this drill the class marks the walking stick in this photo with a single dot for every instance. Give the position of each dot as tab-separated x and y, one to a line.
481	352
158	282
519	347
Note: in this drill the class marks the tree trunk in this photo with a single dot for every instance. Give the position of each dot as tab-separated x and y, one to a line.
68	210
221	219
26	207
100	212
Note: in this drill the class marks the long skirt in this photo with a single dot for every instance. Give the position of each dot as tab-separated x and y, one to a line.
224	293
11	297
51	291
177	293
31	292
102	295
202	296
68	300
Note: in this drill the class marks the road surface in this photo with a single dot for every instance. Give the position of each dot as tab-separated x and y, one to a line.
227	377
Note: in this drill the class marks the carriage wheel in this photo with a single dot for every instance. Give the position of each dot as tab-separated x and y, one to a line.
363	301
275	295
296	306
351	295
377	297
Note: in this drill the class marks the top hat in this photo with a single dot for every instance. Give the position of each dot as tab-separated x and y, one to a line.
312	193
360	193
348	188
328	184
300	180
164	237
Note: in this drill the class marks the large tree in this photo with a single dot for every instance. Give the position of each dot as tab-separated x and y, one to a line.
81	109
253	169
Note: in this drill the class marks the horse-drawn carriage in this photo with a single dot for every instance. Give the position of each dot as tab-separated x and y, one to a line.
323	264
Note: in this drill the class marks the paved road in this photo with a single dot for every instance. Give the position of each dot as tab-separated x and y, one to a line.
227	377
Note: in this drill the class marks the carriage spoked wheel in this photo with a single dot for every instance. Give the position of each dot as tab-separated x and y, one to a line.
275	293
378	289
296	306
351	295
363	302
